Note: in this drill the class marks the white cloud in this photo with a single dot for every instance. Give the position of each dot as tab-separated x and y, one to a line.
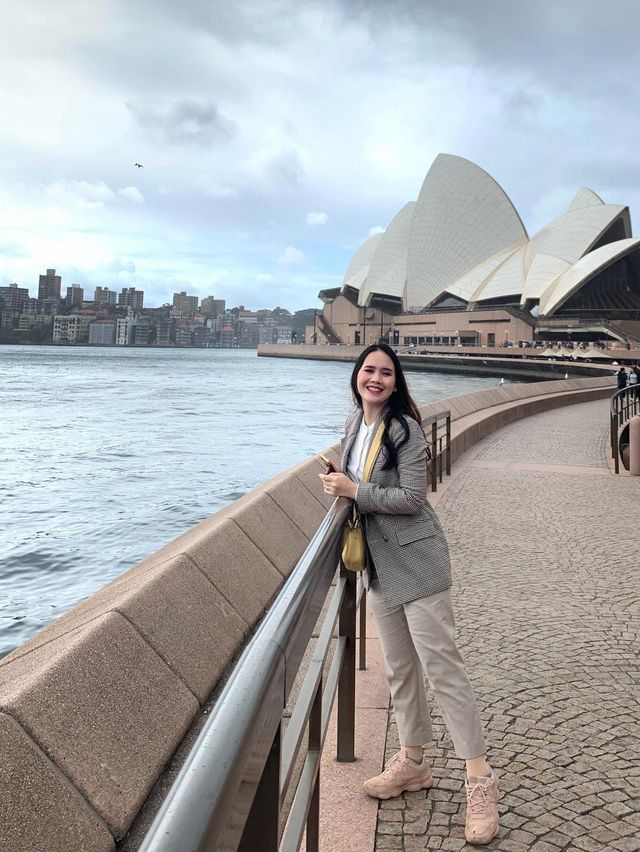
132	194
242	129
78	193
316	217
291	255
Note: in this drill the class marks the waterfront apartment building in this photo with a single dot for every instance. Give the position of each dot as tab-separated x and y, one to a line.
103	296
125	330
166	334
142	331
102	333
212	307
185	304
49	285
27	322
183	336
13	298
71	329
201	336
131	298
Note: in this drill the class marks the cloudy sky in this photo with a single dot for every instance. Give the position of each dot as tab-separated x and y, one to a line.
275	135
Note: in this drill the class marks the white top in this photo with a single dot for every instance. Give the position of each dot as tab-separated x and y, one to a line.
358	454
633	378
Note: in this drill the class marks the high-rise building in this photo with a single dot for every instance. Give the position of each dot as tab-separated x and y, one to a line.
185	304
104	296
212	307
13	298
75	296
49	285
131	298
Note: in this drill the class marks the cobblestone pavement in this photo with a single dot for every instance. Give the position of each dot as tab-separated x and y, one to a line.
547	600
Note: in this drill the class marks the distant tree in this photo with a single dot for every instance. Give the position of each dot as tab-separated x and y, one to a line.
281	315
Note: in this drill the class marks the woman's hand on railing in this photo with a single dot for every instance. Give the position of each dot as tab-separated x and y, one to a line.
339	485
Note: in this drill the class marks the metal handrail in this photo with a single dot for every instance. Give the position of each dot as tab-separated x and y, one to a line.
625	403
439	446
229	793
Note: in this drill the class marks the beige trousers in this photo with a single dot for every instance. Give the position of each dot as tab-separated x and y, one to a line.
419	636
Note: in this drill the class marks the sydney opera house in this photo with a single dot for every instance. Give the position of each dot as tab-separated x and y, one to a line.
457	266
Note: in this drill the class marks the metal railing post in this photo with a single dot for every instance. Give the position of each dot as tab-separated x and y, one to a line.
448	433
262	829
347	681
362	641
434	455
315	745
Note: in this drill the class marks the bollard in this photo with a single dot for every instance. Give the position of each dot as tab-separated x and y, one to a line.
634	445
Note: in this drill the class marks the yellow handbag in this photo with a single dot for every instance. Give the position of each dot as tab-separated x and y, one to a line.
354	552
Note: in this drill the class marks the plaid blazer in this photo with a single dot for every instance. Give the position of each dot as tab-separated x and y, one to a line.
404	537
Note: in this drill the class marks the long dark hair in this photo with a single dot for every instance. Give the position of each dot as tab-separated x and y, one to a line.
399	406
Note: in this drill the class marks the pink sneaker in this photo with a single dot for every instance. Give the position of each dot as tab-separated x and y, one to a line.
483	795
400	774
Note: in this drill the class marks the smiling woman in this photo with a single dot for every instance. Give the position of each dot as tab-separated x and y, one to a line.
408	575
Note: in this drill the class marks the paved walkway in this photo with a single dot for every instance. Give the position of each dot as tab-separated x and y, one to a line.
545	544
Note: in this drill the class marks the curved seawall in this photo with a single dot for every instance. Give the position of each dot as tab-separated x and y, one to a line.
94	707
513	362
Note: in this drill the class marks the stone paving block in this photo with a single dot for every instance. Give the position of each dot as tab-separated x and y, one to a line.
550	639
105	708
39	809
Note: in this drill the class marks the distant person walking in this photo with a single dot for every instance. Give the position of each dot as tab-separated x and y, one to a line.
409	580
633	378
622	378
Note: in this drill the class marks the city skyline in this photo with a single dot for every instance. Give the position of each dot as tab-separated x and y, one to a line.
274	138
103	294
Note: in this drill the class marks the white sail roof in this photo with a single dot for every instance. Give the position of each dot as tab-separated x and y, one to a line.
388	268
582	271
362	258
462	216
463	237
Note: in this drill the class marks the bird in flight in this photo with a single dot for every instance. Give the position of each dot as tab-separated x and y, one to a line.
138	165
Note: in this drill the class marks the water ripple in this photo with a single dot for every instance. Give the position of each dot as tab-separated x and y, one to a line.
109	454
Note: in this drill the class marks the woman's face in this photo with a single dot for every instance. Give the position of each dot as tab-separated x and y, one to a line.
376	379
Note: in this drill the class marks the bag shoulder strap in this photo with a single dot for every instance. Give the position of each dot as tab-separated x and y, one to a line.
374	449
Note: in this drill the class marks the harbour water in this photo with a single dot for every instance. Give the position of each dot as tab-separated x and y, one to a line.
107	454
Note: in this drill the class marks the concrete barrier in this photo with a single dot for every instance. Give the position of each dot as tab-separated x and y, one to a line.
93	708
